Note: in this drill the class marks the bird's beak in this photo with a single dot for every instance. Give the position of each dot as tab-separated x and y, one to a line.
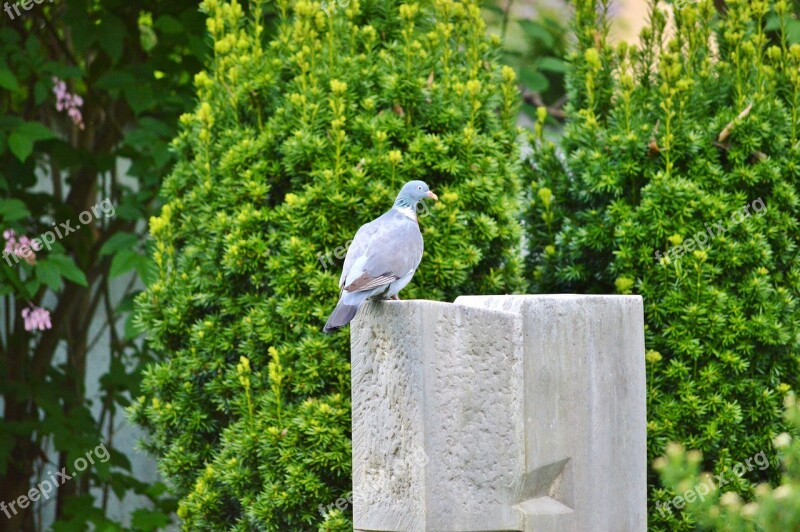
433	196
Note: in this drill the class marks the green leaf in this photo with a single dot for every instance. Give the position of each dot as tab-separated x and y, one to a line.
118	242
169	24
13	209
7	80
115	79
552	64
120	460
127	302
49	274
35	131
793	31
147	38
535	31
117	376
33	285
156	489
69	269
145	267
144	519
24	136
40	92
128	210
12	277
140	97
83	31
124	261
131	329
111	34
773	22
20	146
533	80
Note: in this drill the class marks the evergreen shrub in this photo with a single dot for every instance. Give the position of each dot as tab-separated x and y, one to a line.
306	128
774	509
665	140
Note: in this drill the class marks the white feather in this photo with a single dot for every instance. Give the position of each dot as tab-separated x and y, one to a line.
408	211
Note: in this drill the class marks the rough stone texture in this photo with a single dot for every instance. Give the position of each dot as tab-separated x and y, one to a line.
499	413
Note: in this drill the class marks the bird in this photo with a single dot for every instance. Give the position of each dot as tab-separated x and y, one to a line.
382	257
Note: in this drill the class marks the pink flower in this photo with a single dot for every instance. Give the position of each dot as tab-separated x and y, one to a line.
66	101
36	318
11	241
24	248
25	241
75	115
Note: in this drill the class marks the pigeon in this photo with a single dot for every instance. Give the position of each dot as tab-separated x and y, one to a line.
383	256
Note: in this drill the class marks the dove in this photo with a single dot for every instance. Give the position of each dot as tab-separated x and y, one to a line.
382	257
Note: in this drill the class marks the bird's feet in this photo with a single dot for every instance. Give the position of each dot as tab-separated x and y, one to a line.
396	297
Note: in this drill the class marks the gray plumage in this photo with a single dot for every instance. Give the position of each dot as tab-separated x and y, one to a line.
383	256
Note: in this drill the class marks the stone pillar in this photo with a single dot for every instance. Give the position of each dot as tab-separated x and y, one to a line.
499	413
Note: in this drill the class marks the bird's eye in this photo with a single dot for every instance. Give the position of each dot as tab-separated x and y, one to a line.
419	188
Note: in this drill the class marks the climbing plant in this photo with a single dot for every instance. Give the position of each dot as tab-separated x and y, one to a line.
90	93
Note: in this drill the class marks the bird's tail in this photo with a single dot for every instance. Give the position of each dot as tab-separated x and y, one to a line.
340	316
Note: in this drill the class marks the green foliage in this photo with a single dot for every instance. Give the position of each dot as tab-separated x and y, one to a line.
538	56
127	67
772	510
536	49
300	137
663	143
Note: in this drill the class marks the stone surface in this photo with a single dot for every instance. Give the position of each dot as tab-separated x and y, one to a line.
499	413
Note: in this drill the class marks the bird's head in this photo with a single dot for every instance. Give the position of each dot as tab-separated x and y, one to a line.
412	193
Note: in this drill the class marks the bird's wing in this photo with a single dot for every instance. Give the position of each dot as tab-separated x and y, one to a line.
382	252
357	248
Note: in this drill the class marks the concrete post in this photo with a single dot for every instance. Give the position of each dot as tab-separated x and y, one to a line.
499	413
